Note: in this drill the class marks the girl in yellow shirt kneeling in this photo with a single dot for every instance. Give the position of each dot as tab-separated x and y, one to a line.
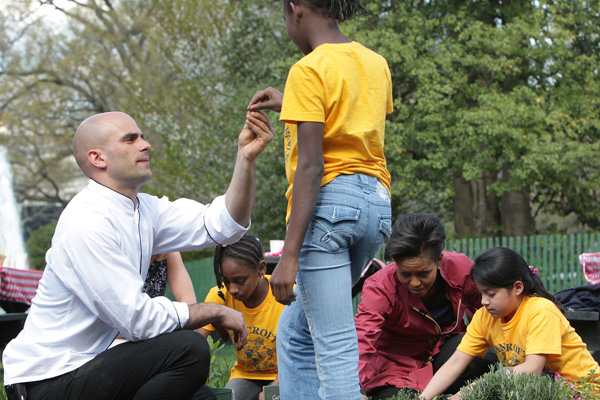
241	268
521	320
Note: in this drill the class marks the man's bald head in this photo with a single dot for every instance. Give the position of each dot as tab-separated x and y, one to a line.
93	133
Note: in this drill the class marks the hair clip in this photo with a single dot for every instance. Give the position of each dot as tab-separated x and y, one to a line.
533	269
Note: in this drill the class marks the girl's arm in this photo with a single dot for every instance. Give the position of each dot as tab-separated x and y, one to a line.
205	332
534	363
179	279
266	99
307	184
447	374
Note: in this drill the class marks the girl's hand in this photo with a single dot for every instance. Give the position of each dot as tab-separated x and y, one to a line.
266	99
255	135
283	279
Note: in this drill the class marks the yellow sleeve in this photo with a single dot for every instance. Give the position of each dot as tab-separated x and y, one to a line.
213	297
303	97
474	342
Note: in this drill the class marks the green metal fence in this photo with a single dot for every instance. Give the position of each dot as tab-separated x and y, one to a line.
555	256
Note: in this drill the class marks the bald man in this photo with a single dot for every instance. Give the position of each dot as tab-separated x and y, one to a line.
91	289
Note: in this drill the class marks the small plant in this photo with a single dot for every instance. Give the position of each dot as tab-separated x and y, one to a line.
220	367
589	386
499	385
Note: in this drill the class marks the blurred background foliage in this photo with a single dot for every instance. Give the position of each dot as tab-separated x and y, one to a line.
495	127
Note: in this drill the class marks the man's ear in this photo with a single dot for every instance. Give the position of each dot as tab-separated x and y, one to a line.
96	158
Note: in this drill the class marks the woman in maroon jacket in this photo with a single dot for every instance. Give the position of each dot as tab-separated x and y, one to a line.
412	312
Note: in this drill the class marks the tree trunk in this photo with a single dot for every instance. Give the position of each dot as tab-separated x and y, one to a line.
515	208
476	213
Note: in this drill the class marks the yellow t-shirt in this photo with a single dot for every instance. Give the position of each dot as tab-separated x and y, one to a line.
258	358
348	88
538	327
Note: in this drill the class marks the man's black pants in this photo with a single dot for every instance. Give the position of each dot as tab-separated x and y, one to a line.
170	366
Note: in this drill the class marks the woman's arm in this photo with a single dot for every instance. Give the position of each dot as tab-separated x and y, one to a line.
447	374
179	279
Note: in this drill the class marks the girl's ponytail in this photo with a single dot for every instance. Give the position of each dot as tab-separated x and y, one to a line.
540	290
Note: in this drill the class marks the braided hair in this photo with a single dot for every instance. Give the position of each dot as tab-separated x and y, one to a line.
340	10
247	249
501	267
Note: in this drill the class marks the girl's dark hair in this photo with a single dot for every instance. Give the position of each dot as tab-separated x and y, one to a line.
247	249
340	10
415	235
500	267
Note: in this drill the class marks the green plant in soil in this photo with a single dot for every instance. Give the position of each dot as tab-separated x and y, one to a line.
498	384
222	359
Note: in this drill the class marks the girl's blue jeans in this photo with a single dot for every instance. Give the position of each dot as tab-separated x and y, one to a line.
317	347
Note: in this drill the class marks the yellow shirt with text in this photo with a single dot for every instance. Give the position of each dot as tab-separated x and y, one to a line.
538	327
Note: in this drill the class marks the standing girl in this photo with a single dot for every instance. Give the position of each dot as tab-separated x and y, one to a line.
242	269
521	320
334	106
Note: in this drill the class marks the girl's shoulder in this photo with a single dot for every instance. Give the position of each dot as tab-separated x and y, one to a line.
541	309
542	304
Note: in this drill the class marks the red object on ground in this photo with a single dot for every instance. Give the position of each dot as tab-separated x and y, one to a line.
18	284
590	263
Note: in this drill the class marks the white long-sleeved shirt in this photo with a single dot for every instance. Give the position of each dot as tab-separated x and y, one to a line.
91	288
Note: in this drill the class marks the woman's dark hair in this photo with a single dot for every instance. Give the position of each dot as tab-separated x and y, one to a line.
501	267
247	249
414	235
340	10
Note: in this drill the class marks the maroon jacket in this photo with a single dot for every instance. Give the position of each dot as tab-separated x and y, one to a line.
396	335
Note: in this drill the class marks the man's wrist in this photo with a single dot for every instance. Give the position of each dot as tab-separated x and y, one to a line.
202	314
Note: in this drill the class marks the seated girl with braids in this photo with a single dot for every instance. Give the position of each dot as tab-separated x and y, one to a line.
241	268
